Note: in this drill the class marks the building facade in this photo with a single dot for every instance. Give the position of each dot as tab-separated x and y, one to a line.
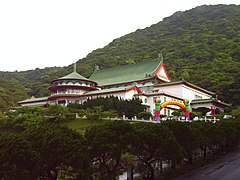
145	80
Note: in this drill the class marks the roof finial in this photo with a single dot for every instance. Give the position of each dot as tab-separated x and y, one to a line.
75	67
160	56
96	68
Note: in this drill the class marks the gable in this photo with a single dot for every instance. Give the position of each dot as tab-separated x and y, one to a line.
162	73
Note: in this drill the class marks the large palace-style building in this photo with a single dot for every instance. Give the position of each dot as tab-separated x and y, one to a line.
145	80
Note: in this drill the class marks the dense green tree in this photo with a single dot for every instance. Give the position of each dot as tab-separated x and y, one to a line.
130	108
212	138
188	136
59	148
153	143
17	158
107	144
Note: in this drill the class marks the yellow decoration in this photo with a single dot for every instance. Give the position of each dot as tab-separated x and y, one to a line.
173	102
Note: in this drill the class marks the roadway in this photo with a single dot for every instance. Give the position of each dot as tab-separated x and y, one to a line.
225	168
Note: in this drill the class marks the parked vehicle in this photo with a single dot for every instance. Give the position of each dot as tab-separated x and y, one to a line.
228	116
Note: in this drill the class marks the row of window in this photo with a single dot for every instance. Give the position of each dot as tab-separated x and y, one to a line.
76	83
69	91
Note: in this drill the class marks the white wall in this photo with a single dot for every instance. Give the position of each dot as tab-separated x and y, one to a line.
183	91
122	95
190	93
34	103
173	89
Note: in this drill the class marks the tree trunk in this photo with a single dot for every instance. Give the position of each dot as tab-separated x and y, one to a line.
204	153
190	160
173	164
152	174
161	169
130	173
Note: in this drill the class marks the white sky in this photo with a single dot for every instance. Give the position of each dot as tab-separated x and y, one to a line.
46	33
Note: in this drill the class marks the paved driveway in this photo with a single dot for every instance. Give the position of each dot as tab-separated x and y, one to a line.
225	168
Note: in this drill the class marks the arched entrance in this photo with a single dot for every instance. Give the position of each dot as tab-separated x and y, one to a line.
184	106
172	102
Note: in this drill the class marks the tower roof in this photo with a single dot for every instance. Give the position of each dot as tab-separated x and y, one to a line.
74	76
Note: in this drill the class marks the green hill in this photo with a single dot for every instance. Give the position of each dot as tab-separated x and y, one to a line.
201	45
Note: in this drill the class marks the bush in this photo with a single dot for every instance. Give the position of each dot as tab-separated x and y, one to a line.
70	116
145	115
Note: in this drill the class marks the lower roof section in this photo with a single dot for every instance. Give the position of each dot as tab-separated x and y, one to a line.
211	100
75	96
33	100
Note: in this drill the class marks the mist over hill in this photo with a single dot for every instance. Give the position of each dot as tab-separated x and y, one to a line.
201	45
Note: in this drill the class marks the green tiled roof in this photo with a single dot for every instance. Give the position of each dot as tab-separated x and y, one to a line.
32	99
73	75
202	100
122	88
195	101
126	73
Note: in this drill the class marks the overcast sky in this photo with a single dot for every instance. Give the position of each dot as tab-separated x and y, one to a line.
46	33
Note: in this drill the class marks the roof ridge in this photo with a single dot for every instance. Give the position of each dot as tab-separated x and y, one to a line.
159	64
141	62
73	73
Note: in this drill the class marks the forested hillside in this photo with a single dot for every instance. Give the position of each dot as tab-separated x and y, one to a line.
201	45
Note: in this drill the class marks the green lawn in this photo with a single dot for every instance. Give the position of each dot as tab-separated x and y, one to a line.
79	124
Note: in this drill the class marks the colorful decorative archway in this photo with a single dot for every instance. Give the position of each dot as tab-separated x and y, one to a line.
173	102
185	106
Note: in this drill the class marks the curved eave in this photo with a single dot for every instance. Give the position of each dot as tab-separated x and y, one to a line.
161	79
32	101
213	101
74	79
55	88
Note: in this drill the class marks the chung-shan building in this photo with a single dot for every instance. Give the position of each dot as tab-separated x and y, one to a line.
146	81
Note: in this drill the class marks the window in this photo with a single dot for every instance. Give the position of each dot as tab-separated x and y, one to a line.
145	100
165	112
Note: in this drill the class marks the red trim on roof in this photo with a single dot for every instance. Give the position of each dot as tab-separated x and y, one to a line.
104	93
134	88
62	97
165	69
164	94
124	90
213	101
218	103
55	88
